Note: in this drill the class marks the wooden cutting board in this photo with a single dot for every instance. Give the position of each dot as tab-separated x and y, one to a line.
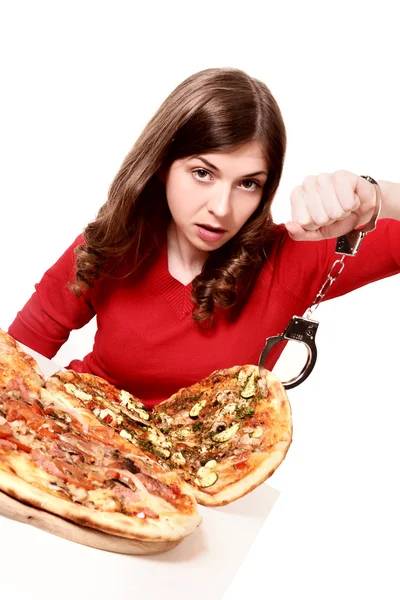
13	509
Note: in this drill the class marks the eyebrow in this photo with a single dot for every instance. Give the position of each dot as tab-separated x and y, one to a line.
211	166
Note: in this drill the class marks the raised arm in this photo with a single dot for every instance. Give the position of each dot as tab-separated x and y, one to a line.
332	204
327	206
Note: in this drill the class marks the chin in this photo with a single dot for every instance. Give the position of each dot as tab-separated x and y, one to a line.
208	246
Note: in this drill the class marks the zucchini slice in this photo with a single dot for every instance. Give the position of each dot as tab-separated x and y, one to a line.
206	477
250	388
227	434
196	408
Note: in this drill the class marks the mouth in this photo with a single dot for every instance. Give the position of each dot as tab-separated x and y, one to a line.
209	233
212	228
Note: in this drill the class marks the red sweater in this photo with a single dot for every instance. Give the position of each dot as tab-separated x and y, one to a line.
147	342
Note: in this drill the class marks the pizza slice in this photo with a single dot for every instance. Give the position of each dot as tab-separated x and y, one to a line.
19	373
224	435
119	409
64	461
232	430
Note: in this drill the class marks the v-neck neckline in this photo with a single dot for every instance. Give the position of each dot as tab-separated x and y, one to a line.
178	294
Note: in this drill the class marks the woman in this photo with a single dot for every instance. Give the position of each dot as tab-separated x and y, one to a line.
183	266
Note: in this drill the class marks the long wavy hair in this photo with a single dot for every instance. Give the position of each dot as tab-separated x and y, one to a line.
214	110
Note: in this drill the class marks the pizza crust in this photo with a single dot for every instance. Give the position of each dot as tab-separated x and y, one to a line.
18	511
16	364
171	527
240	488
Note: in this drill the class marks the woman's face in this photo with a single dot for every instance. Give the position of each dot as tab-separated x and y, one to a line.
211	196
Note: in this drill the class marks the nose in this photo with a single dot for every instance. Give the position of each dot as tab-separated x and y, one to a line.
219	204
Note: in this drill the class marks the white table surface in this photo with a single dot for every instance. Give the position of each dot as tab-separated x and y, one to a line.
326	525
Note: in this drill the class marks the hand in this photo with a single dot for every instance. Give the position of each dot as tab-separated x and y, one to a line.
330	205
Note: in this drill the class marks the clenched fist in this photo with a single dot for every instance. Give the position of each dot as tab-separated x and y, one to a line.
330	205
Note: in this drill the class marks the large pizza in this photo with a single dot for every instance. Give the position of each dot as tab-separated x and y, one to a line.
79	448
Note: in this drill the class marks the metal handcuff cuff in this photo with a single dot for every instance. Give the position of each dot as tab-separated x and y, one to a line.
304	329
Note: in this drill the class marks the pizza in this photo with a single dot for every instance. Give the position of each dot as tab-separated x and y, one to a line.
59	457
224	435
80	448
19	372
119	409
231	431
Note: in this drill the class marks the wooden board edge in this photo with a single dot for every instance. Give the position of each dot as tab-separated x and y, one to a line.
18	511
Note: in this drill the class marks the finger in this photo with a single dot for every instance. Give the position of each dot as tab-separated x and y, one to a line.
330	198
314	203
345	184
300	212
299	234
340	227
363	217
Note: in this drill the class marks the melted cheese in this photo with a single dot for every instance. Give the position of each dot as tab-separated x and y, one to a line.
104	499
158	439
72	389
229	409
178	458
183	433
107	412
125	397
242	377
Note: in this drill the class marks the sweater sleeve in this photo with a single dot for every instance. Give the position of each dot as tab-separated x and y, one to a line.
377	258
53	311
304	266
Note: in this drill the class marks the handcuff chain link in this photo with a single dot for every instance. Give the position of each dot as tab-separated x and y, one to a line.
331	278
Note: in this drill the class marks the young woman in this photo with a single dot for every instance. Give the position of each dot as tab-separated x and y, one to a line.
183	266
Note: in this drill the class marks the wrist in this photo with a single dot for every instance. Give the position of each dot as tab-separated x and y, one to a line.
390	200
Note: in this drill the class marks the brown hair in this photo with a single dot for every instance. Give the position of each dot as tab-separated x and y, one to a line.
214	110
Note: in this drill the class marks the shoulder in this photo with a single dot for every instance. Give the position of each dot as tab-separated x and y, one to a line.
66	262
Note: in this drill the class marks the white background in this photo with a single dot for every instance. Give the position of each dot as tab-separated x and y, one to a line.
79	80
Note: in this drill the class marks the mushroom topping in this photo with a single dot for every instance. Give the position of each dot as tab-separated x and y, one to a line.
245	439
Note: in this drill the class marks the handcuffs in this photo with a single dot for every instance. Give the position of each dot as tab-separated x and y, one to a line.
304	329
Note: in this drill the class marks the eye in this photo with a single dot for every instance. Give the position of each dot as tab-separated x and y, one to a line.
252	182
201	174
